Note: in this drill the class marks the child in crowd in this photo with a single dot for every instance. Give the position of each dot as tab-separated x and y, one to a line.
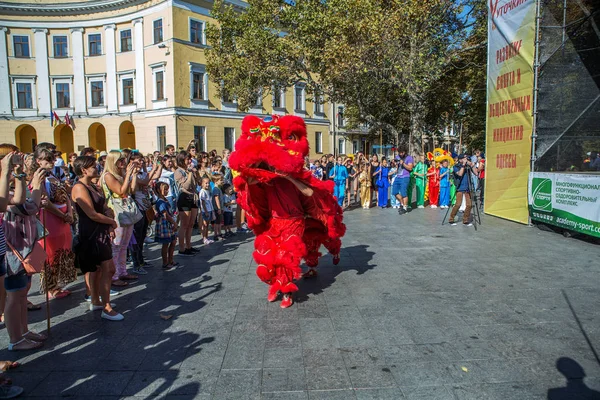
433	175
228	202
444	185
217	203
364	179
317	171
207	210
166	227
393	171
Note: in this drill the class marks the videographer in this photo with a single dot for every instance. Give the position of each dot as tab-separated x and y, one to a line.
461	172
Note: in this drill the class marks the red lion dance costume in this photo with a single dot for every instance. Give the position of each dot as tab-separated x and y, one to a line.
291	212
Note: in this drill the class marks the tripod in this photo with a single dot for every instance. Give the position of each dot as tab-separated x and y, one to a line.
475	215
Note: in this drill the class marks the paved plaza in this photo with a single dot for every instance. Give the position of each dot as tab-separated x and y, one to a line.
415	310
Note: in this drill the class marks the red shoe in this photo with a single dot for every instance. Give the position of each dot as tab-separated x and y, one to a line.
311	273
273	293
336	259
287	301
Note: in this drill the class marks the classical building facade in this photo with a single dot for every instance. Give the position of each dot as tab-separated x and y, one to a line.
128	74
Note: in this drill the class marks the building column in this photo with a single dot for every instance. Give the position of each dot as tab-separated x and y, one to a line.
5	103
111	68
140	67
78	71
44	98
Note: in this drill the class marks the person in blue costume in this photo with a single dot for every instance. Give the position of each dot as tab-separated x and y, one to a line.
339	175
383	183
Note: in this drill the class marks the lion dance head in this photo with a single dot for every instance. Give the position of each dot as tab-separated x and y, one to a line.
270	147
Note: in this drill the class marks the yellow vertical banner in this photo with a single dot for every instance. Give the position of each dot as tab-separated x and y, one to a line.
511	47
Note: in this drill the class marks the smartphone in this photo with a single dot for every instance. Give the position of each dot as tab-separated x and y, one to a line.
17	159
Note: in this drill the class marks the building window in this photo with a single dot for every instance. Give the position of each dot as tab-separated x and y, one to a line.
128	91
97	89
198	86
63	98
200	137
355	146
24	99
126	44
229	138
319	103
21	46
160	85
95	44
341	146
318	142
340	117
278	97
299	98
227	96
197	32
158	31
61	48
161	133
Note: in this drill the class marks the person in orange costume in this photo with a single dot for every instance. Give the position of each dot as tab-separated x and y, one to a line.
433	173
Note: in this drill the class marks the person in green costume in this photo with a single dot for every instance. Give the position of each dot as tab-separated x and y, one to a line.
420	176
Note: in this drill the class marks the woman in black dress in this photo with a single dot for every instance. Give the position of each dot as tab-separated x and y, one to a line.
374	166
94	251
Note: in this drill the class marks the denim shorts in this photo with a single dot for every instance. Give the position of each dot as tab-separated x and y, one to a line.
401	186
14	283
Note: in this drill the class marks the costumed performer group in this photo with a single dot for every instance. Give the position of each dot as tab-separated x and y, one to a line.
290	211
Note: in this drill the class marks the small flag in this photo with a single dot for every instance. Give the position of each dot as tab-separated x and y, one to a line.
56	119
67	119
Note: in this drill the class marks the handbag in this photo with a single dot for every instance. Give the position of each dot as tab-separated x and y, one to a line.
126	210
34	262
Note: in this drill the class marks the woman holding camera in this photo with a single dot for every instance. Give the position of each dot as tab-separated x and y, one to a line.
20	231
186	178
118	181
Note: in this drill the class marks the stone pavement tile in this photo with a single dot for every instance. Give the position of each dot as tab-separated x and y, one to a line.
379	394
431	373
281	357
410	352
355	357
27	380
105	383
283	379
149	384
319	340
379	376
235	382
61	384
283	338
497	371
328	377
169	351
244	357
427	393
303	395
201	381
355	338
322	357
129	353
316	325
476	349
331	395
427	334
502	391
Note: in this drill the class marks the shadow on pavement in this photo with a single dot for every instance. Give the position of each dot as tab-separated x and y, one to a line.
576	387
354	258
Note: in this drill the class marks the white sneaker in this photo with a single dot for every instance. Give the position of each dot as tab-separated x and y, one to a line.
208	241
421	207
118	317
433	206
